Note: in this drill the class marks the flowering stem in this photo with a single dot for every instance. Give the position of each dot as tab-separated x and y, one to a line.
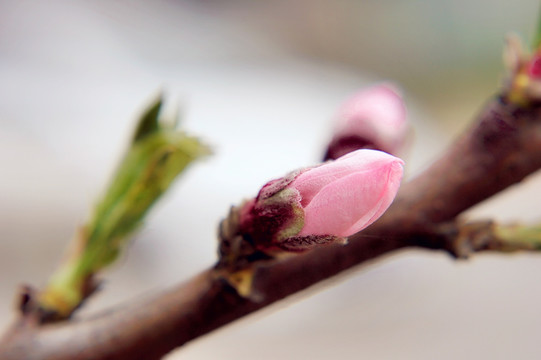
499	150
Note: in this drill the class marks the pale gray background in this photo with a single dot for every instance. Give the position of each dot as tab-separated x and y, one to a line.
259	81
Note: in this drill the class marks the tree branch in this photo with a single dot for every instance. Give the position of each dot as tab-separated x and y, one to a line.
500	149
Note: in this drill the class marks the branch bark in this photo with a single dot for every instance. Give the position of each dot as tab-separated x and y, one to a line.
501	148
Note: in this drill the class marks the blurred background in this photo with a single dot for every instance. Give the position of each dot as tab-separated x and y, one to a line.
259	81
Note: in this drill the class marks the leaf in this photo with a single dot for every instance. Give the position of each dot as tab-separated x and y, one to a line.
148	122
155	158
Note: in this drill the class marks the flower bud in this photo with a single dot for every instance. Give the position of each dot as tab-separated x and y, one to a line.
534	67
374	118
523	84
322	204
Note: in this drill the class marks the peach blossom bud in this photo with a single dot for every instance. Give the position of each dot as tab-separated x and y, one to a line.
322	204
374	118
534	68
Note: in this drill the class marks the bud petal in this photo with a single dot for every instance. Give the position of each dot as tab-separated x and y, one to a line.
534	68
345	196
374	118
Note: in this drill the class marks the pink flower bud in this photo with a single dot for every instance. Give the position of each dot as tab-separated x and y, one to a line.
534	68
322	204
374	118
345	196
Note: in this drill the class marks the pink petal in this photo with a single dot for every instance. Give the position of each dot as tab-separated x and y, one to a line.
377	114
535	66
351	203
310	182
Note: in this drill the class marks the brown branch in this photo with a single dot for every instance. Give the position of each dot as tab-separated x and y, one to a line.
500	149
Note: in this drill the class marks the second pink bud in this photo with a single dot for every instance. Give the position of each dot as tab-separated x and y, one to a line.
374	118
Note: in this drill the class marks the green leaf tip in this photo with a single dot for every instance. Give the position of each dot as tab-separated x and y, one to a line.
149	120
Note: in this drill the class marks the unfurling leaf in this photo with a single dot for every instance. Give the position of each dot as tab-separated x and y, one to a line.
157	154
